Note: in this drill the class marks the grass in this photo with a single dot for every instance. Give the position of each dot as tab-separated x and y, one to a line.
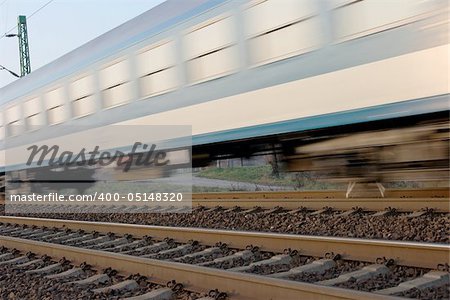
262	175
256	174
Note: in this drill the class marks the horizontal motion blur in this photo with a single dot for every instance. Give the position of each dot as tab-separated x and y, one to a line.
337	86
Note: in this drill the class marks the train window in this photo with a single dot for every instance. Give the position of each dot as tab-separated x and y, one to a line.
271	14
13	127
285	42
54	104
83	106
279	30
82	96
211	51
158	82
156	70
33	122
115	84
213	65
363	17
55	115
32	113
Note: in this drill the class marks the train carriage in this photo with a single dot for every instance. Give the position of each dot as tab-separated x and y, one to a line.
290	76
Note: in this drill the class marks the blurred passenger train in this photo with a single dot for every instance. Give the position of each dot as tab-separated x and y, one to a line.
356	87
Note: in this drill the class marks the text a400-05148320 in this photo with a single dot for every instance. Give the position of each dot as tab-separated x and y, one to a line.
141	197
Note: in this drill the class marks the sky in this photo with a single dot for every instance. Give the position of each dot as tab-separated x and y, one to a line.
59	27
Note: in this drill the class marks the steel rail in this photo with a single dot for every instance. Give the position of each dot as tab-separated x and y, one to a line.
368	204
323	194
237	285
425	255
402	200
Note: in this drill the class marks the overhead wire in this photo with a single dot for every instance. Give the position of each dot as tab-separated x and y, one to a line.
31	15
41	8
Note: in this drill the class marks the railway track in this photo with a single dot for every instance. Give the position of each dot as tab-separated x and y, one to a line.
59	278
246	265
401	200
322	194
367	204
408	219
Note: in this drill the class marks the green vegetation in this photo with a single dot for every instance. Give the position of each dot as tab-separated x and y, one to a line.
258	174
263	175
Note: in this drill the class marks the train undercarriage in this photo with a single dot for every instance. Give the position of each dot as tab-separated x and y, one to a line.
409	149
417	153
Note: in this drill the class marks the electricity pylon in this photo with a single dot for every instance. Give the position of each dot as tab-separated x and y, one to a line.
24	51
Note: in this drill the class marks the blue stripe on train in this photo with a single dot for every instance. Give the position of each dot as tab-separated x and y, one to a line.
367	114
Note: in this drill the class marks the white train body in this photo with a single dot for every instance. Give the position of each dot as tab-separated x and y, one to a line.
242	70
